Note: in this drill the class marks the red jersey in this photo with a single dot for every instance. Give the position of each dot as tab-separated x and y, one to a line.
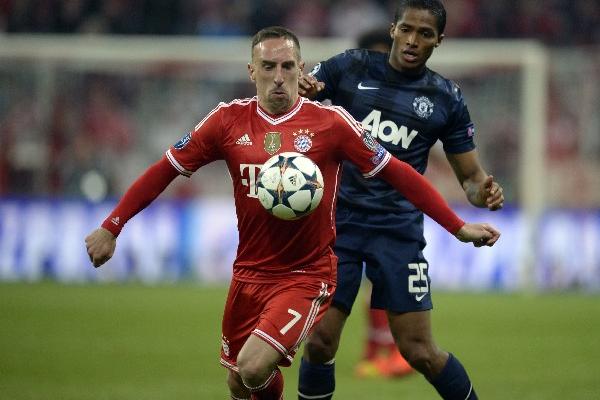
245	136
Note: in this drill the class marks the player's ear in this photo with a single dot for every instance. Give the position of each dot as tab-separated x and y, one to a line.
440	38
301	67
251	72
392	29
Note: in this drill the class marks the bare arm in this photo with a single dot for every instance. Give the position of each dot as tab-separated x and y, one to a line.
101	243
480	188
422	194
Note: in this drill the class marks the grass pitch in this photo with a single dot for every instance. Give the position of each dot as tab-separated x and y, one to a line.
137	342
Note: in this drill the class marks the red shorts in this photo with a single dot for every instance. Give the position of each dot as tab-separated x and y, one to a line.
282	314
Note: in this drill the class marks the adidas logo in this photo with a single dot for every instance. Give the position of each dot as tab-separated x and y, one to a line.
244	140
115	220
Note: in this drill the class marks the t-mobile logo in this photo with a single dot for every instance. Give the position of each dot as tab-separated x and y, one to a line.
248	174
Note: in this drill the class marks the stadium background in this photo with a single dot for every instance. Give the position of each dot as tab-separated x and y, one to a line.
93	91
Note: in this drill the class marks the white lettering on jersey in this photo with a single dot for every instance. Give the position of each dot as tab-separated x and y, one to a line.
387	131
249	173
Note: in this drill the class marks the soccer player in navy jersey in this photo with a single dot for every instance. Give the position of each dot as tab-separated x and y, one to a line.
407	107
380	356
285	271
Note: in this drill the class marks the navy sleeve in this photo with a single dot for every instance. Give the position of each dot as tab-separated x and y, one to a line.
458	135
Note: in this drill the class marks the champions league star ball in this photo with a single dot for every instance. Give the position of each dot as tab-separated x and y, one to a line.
290	185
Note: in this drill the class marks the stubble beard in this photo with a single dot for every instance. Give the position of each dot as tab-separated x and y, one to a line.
279	105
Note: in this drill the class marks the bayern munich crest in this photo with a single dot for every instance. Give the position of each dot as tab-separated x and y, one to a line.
423	106
225	345
302	140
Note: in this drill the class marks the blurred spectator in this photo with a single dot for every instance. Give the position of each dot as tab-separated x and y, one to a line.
106	121
267	13
350	16
464	19
50	137
376	39
215	19
308	18
23	148
553	21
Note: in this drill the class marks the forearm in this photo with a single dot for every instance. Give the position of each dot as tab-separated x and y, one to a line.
471	188
421	193
140	194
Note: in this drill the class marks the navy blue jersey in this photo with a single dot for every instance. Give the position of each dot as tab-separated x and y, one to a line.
407	114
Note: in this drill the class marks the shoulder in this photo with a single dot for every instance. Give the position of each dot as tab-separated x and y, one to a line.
238	104
336	114
365	57
351	57
445	85
227	112
234	108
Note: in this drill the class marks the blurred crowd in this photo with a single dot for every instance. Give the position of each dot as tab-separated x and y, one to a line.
91	132
556	22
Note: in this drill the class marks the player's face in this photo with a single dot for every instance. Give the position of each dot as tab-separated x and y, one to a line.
276	68
415	36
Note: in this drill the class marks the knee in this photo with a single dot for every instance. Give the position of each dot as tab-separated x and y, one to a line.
236	386
252	372
424	357
320	348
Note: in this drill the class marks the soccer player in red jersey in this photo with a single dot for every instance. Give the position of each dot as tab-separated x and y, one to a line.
285	271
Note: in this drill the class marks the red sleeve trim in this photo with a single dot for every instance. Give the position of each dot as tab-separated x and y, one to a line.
140	194
421	193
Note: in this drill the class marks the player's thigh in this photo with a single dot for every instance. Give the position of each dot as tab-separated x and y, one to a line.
400	275
411	327
349	273
291	313
322	344
241	315
257	357
280	314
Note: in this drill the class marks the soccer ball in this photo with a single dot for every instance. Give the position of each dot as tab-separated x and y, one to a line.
290	185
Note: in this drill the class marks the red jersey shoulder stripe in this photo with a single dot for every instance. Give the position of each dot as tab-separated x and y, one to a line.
354	124
379	167
357	126
176	164
169	154
239	102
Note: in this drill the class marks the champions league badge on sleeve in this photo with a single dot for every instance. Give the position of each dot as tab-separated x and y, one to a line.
183	141
315	69
423	107
375	147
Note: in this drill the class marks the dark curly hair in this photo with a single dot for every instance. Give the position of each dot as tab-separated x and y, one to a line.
435	7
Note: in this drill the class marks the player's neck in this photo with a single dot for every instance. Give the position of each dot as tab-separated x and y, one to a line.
413	72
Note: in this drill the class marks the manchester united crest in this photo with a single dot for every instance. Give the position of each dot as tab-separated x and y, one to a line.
423	106
303	140
272	142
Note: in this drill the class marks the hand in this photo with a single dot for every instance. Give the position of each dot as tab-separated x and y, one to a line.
491	193
478	234
309	86
100	246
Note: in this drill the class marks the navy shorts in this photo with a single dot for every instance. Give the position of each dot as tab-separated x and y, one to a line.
393	263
